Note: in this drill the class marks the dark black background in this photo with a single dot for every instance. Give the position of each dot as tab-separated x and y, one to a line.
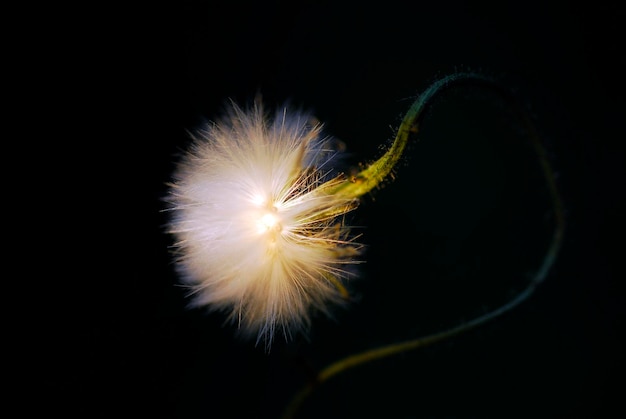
129	82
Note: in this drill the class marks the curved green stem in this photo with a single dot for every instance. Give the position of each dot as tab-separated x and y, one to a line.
375	173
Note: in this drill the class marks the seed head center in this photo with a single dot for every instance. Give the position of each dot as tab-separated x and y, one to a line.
269	221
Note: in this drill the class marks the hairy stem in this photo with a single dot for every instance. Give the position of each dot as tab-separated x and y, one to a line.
375	173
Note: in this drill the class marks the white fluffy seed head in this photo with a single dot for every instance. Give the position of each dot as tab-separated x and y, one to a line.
254	236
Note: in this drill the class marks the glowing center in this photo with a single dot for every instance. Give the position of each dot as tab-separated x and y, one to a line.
269	222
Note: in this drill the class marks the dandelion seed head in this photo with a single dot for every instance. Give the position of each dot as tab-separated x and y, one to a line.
255	236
